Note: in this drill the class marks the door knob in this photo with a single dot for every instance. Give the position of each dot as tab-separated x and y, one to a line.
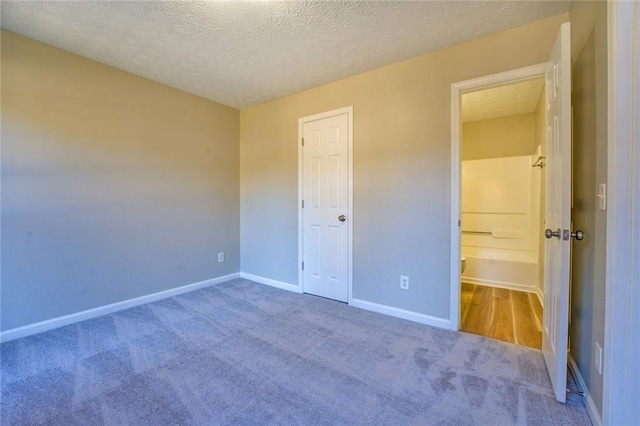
342	218
578	235
548	233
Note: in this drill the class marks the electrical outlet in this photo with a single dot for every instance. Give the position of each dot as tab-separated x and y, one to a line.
598	357
221	257
404	282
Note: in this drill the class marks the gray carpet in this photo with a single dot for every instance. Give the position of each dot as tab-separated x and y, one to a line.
243	353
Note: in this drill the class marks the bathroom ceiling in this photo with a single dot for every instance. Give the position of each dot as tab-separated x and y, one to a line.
243	53
502	101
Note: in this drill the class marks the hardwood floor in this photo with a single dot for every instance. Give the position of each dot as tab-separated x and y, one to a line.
507	315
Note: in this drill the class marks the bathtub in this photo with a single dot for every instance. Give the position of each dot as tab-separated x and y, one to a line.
510	269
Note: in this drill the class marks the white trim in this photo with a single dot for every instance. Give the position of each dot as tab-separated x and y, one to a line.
401	313
273	283
301	121
501	284
50	324
591	405
540	295
456	132
622	302
456	208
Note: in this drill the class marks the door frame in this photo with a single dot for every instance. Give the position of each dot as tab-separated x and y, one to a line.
622	342
301	122
457	89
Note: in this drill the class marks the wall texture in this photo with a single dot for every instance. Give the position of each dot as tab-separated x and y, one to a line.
499	137
589	45
113	186
402	160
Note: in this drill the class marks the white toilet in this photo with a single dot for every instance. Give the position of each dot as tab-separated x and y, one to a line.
463	264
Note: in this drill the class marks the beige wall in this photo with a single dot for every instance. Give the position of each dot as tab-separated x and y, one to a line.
402	160
589	99
113	186
499	137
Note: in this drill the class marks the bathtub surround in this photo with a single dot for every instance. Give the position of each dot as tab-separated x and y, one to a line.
500	221
234	354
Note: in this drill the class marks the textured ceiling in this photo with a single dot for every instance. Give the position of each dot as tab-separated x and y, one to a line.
502	101
243	53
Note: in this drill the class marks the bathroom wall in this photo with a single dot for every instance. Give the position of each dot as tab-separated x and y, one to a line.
499	137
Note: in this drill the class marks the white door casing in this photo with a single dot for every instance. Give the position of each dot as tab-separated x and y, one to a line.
622	311
457	89
326	214
558	213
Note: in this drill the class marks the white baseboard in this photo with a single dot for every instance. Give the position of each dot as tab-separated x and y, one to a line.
401	313
591	406
540	295
50	324
273	283
362	304
499	284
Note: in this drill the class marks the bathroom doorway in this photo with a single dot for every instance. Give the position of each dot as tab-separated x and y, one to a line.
503	145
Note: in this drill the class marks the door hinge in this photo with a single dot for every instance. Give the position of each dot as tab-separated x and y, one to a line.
302	141
303	204
303	266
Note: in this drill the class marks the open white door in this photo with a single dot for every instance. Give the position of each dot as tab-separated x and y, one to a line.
558	213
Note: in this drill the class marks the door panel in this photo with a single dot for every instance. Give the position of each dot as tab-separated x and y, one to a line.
558	213
325	185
